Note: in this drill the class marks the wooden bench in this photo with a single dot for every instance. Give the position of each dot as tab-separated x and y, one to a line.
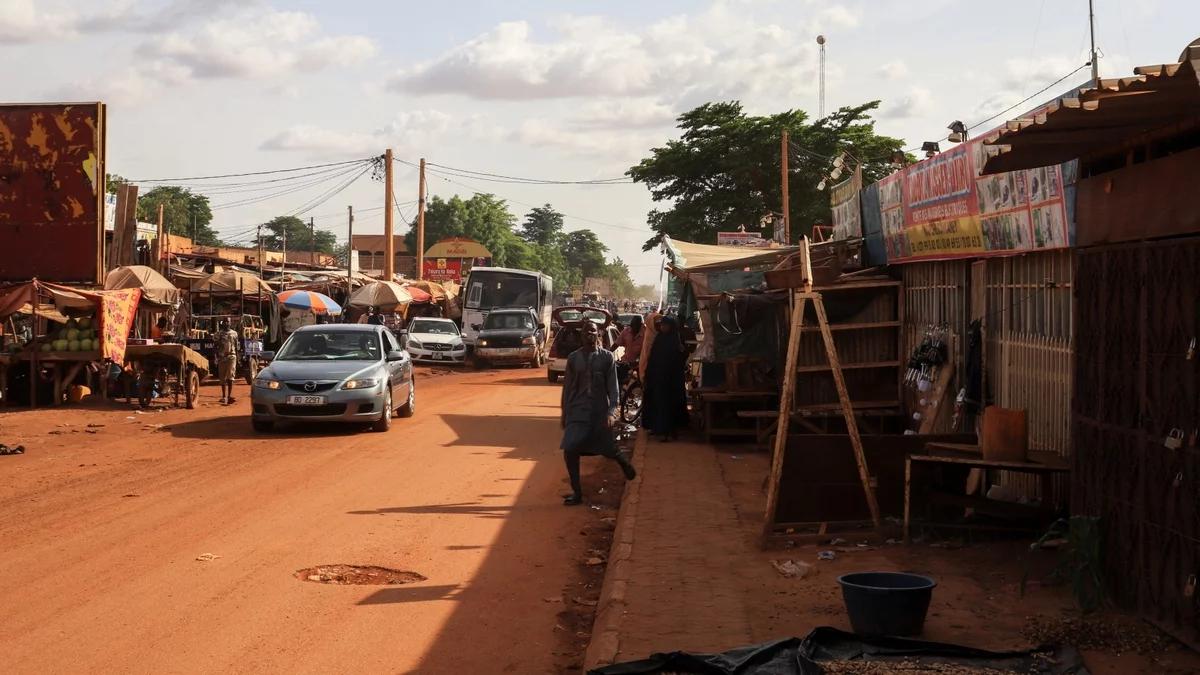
709	398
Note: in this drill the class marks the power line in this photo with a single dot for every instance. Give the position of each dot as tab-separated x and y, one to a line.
1027	98
501	178
251	173
290	189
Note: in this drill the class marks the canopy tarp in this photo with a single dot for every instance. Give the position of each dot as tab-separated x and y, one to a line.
434	290
114	310
155	287
382	294
686	255
233	281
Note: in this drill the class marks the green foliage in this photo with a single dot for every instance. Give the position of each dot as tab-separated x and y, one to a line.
184	213
724	169
300	236
645	292
112	181
542	226
537	243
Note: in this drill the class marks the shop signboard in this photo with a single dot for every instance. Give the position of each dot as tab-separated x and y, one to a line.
943	208
843	201
52	192
443	269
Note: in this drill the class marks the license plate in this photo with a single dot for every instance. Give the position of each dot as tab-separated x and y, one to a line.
306	400
437	356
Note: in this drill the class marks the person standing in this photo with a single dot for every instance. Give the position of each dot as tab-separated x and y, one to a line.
631	340
227	354
590	399
664	408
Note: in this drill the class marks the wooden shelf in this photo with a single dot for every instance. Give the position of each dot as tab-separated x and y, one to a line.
857	405
849	366
852	326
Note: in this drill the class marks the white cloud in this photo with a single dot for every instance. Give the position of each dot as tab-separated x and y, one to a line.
916	102
625	114
256	43
623	147
23	21
720	52
837	16
894	70
403	133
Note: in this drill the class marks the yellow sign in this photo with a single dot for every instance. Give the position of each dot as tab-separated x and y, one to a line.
942	237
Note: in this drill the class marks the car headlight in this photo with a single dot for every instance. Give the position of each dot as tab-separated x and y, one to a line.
266	383
413	344
361	383
483	343
528	341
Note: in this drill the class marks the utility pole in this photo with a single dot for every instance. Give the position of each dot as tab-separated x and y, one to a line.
312	241
158	264
389	245
1092	32
783	176
261	252
283	263
821	86
349	254
421	222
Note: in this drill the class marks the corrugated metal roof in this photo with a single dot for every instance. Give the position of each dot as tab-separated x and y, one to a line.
1101	117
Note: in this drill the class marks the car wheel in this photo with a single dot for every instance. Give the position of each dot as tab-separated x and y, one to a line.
553	377
385	420
262	426
410	406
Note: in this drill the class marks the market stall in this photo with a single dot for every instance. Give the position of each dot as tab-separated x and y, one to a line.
62	332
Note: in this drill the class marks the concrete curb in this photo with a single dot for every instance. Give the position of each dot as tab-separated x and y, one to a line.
610	609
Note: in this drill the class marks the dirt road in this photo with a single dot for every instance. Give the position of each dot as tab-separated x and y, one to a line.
105	532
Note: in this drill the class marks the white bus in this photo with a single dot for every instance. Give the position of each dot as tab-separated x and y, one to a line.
491	287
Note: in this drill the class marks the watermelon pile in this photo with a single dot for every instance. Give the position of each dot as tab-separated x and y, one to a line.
77	335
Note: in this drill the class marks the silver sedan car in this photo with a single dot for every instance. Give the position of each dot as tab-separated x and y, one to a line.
335	373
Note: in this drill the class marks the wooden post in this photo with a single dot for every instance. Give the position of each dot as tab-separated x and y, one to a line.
349	257
389	244
312	241
847	409
158	242
787	218
421	222
785	410
907	498
33	353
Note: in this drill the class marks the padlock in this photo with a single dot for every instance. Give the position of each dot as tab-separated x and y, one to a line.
1174	439
1191	352
1189	586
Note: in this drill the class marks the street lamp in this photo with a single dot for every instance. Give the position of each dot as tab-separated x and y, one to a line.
930	148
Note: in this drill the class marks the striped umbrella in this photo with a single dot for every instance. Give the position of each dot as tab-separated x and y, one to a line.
317	303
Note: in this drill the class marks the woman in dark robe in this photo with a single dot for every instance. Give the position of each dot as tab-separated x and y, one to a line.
664	409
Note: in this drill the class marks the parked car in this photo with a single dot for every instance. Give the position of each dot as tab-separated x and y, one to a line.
624	318
510	335
335	373
569	336
435	341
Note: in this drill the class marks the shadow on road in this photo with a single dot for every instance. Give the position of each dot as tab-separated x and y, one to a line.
402	594
539	381
526	436
462	509
238	427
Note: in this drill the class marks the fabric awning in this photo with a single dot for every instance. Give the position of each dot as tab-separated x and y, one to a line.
225	282
458	247
155	287
1100	118
696	257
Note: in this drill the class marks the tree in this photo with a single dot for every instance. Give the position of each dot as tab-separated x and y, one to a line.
584	253
483	217
645	292
112	181
617	273
543	226
300	236
184	213
723	171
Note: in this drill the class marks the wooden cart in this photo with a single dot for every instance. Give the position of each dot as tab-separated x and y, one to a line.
174	369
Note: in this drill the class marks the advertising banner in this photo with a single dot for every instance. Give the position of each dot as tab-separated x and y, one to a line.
443	269
943	208
843	201
753	239
52	192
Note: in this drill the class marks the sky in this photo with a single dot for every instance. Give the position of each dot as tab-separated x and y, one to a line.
564	90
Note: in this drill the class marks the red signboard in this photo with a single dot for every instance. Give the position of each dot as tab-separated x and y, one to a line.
51	192
443	269
943	208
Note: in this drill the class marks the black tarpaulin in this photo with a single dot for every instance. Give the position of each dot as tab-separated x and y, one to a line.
793	656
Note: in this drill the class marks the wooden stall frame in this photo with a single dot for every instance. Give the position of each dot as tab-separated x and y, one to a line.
800	298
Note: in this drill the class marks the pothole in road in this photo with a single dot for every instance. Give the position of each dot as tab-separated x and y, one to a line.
359	575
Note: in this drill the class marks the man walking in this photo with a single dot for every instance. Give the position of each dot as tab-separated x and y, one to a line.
590	400
227	349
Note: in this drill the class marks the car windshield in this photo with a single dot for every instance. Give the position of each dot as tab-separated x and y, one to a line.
569	315
433	328
331	345
509	321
